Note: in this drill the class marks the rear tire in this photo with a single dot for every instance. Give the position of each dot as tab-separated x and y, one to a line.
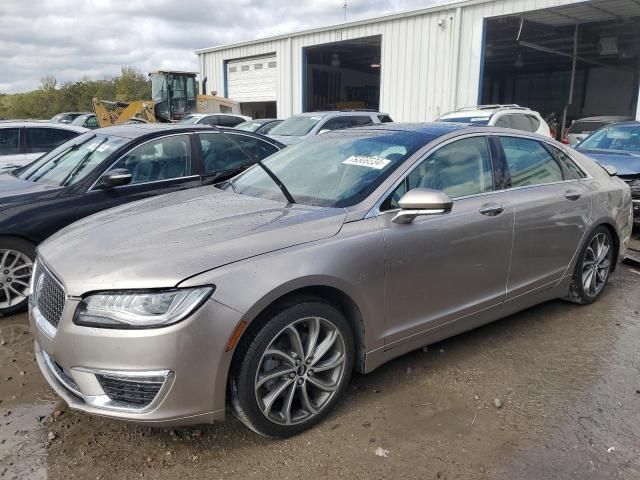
16	265
592	270
288	375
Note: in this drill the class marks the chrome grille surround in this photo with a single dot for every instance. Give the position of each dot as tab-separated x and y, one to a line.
48	299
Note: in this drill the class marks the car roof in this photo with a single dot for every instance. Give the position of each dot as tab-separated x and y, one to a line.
485	111
70	113
430	129
202	115
324	113
59	126
136	130
606	118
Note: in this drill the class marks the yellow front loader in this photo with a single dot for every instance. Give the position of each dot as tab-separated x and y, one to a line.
173	96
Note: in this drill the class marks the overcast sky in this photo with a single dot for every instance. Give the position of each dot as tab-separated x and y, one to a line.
72	38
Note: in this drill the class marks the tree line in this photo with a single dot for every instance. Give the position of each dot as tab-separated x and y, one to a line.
50	98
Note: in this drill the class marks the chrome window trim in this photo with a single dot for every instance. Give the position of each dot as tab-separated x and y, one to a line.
376	212
92	189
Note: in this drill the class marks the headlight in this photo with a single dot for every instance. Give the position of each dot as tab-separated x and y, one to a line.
139	309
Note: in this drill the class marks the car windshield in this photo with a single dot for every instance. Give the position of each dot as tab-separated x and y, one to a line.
56	118
472	120
72	161
624	138
189	119
248	126
335	170
296	126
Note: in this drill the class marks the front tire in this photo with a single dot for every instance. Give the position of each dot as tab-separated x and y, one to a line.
592	270
16	265
291	372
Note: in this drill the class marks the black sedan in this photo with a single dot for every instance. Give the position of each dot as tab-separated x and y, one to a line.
261	125
103	169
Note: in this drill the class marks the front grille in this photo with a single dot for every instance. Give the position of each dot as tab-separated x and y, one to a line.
49	295
138	392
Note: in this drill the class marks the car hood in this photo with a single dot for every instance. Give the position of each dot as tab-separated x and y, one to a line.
161	241
627	163
15	190
287	140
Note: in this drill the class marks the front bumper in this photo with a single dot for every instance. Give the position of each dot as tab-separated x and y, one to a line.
174	375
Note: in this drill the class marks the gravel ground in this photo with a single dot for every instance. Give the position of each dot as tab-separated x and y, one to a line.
550	393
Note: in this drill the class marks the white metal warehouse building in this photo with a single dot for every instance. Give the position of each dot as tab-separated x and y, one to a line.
418	65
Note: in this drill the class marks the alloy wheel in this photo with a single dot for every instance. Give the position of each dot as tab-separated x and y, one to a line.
596	264
15	273
300	371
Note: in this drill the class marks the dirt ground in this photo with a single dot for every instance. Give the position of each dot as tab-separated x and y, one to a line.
567	380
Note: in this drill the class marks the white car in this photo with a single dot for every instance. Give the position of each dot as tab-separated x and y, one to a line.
306	125
23	142
215	119
505	116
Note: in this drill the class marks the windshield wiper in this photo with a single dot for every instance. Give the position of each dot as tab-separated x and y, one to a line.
82	163
268	171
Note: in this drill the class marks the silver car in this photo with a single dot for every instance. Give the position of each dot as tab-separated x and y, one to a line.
21	142
332	256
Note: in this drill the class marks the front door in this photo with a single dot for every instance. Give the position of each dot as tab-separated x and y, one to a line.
445	267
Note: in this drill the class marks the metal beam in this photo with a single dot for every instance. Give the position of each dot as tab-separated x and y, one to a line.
573	79
568	55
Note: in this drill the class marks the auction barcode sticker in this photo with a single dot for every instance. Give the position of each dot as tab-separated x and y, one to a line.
371	162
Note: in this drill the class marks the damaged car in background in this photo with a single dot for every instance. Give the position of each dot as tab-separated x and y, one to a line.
331	256
618	146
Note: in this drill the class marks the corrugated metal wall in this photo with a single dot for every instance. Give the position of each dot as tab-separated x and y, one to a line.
420	78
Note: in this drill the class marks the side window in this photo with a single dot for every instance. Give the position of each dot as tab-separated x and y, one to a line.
571	170
9	141
46	139
336	123
360	121
529	162
229	121
219	153
160	159
92	122
385	119
459	169
535	123
521	122
503	122
211	120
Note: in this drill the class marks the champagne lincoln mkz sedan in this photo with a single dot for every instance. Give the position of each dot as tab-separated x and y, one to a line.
335	255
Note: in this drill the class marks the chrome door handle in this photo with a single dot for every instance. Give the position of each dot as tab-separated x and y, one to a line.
572	195
491	209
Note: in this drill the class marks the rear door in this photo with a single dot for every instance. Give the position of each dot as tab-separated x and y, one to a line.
11	148
552	207
226	154
39	140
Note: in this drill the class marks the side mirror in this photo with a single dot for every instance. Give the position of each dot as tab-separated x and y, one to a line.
422	201
115	178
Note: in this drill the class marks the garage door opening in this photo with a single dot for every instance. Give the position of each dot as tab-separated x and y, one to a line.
343	75
529	61
252	81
